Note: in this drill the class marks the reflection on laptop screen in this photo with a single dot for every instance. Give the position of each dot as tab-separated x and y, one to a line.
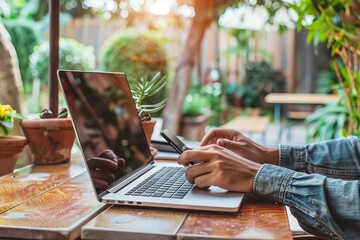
105	117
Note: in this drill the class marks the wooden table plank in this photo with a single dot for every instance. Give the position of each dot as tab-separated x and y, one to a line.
255	220
300	98
279	99
253	124
134	223
30	181
56	214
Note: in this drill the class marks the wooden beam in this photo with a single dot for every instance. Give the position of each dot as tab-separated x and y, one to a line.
54	11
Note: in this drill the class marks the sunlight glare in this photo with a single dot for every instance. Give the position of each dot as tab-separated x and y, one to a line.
123	5
186	11
94	4
110	6
124	13
136	5
107	15
160	7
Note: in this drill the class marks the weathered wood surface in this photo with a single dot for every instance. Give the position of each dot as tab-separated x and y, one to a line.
255	220
58	202
134	223
57	213
33	180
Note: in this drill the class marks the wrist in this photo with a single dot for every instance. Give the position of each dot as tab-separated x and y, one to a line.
272	155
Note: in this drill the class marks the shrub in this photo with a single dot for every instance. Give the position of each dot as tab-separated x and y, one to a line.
72	56
134	53
139	55
260	79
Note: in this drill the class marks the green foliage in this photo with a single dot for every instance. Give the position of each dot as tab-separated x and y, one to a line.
24	38
248	96
329	22
37	10
11	8
134	53
242	45
196	103
327	122
215	96
72	56
326	82
204	99
260	79
144	88
337	23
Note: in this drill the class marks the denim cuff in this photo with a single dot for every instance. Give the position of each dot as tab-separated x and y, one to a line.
293	157
271	182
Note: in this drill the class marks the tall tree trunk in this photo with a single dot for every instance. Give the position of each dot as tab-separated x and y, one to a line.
205	13
10	78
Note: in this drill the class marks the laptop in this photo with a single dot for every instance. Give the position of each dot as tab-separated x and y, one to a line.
117	157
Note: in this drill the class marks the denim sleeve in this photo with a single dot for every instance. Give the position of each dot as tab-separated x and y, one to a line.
339	158
324	206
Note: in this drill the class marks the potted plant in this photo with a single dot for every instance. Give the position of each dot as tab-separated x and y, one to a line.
196	116
50	139
10	146
142	89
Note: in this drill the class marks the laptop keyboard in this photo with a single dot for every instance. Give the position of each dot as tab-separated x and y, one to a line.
167	182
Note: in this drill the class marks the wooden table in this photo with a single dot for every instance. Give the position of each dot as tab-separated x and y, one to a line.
47	201
279	99
249	124
284	99
255	220
57	202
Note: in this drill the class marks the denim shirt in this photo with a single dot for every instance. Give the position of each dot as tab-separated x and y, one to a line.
320	183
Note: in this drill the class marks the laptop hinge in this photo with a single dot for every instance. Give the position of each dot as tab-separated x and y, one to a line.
130	179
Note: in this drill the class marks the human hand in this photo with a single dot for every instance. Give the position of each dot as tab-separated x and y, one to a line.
153	151
241	145
219	167
104	168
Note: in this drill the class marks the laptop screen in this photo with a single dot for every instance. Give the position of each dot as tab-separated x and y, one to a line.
106	123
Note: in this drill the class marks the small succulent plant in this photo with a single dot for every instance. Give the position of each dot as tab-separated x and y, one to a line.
47	113
143	88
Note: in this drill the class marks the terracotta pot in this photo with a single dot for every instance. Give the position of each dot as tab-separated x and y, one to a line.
10	149
148	127
50	140
193	128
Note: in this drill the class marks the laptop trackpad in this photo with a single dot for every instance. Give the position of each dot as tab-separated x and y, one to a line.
211	190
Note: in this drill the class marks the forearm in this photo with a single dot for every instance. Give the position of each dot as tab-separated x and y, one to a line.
339	158
322	205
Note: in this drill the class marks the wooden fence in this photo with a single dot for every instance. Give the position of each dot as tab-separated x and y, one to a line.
95	32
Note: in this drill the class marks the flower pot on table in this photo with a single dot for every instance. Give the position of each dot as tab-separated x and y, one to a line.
148	127
50	140
193	127
10	149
